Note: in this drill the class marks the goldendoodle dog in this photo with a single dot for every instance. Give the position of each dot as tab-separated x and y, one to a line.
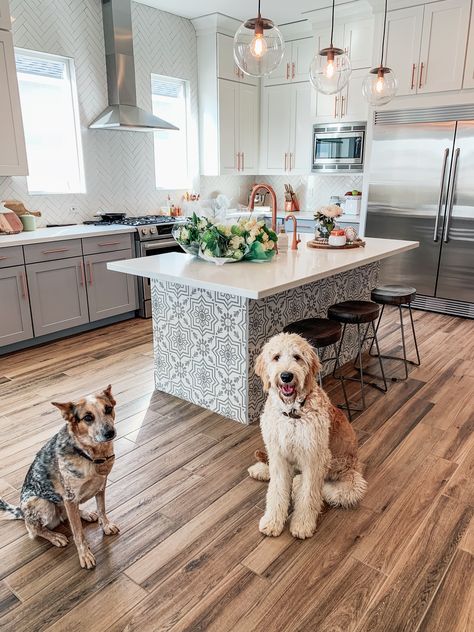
303	432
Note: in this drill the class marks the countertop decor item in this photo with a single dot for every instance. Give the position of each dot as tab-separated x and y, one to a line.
326	219
248	239
325	245
330	69
19	208
10	223
29	222
291	201
380	85
258	46
337	237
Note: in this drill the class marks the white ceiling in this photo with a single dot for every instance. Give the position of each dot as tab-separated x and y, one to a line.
280	11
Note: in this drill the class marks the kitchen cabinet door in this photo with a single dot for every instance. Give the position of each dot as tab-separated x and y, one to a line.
358	42
282	73
226	66
5	19
109	293
327	106
300	148
402	46
57	295
443	45
354	107
276	129
249	117
12	139
15	317
468	82
228	126
301	56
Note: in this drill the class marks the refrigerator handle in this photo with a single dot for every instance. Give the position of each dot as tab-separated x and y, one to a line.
441	191
451	197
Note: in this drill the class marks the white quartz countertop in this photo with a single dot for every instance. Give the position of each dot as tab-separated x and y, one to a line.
61	232
256	280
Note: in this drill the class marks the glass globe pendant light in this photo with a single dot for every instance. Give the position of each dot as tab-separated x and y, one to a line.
330	69
258	46
380	85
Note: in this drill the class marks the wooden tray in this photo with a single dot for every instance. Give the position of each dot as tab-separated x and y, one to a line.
325	246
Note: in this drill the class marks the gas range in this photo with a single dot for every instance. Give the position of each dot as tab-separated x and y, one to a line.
149	227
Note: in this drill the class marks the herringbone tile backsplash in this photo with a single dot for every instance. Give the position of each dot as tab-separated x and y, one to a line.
119	166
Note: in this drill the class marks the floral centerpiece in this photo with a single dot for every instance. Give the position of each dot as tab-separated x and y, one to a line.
326	219
248	240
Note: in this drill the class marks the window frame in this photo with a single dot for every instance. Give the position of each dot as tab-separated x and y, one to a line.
72	82
188	184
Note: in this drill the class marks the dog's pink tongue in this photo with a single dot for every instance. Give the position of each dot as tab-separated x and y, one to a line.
288	390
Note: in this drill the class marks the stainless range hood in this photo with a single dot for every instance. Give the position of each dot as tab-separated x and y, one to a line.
123	112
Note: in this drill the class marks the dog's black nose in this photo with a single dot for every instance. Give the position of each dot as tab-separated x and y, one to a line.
109	434
286	376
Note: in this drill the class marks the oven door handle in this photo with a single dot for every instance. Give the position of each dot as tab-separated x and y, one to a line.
162	245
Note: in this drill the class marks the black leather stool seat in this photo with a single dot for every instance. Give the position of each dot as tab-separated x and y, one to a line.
354	312
393	294
319	332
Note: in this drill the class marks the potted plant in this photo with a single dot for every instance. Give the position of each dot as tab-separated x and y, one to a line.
326	219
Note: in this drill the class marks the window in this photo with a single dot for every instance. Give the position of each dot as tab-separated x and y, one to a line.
170	102
49	108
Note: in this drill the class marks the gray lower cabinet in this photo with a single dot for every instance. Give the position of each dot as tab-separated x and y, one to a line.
109	293
15	317
58	295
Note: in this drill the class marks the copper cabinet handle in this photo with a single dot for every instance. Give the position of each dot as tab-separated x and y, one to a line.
24	289
91	278
2	258
286	158
83	279
413	68
421	74
292	159
109	243
335	106
238	161
243	161
288	70
53	250
293	70
342	106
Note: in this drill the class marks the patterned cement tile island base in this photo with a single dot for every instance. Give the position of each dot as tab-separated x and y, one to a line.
206	342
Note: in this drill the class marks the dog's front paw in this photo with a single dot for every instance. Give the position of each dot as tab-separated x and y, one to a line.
89	516
86	558
110	528
58	539
259	471
302	528
269	526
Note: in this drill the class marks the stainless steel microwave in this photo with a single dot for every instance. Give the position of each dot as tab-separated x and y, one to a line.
338	147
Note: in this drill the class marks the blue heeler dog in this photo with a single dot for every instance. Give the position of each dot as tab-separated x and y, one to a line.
69	470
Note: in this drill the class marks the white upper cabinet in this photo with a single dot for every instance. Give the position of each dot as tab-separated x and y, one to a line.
469	71
248	117
5	20
402	46
12	139
347	105
286	130
226	66
295	63
443	45
426	46
228	126
358	42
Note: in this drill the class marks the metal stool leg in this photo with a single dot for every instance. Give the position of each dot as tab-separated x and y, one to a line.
321	360
361	372
403	342
418	362
377	328
385	388
337	352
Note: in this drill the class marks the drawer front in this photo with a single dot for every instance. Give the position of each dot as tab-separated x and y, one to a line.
52	250
106	243
12	256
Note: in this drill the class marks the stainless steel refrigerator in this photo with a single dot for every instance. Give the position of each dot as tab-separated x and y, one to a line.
421	187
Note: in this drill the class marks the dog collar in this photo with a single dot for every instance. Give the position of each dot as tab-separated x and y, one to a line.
96	461
293	414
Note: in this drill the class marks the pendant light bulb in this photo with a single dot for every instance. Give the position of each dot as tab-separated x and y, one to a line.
330	69
380	85
258	46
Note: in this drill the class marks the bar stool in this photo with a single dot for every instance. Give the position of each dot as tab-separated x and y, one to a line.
357	313
321	333
400	296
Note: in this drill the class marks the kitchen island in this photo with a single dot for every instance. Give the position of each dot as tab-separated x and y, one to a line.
210	322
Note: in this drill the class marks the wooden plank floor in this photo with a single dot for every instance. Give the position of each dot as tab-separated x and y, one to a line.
190	556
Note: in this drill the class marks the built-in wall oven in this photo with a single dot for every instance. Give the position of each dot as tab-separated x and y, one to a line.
338	147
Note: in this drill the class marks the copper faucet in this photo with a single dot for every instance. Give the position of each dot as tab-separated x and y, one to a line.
296	239
268	188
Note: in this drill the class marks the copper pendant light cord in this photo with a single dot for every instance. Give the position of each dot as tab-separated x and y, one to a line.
383	36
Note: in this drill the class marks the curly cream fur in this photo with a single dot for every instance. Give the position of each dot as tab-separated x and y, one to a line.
316	441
